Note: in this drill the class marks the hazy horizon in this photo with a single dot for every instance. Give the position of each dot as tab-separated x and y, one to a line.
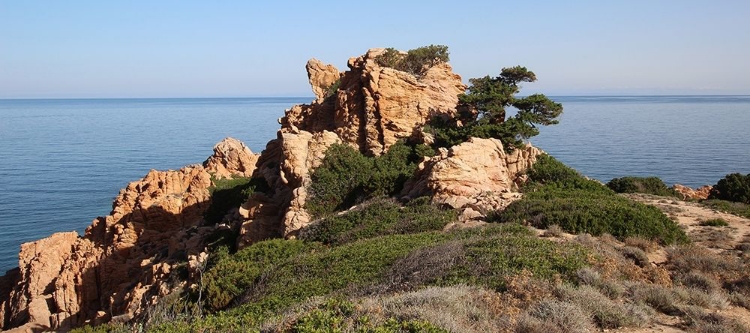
233	49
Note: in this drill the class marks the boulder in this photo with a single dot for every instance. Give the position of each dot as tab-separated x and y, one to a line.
475	177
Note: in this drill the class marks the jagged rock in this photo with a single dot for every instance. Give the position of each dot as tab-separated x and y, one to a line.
700	193
375	106
283	213
231	158
322	77
125	259
475	177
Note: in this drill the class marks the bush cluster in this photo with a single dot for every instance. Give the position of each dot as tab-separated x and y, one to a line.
559	195
415	61
347	177
379	217
733	187
648	185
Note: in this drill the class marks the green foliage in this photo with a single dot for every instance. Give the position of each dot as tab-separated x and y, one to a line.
229	275
736	208
228	193
415	61
559	195
648	185
733	187
347	177
268	277
483	111
498	254
379	217
717	222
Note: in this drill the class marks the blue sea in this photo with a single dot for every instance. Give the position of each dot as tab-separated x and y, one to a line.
63	161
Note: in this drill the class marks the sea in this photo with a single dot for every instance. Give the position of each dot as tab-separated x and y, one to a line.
62	161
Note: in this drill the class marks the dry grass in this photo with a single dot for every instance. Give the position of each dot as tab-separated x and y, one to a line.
646	245
713	237
607	313
700	321
553	316
553	231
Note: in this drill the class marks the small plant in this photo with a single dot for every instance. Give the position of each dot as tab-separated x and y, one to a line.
717	222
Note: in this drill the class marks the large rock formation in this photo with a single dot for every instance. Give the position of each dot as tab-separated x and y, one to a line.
125	260
374	106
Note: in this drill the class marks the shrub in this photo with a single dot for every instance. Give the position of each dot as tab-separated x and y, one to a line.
733	187
228	193
381	216
415	61
347	177
648	185
229	275
717	222
493	257
558	195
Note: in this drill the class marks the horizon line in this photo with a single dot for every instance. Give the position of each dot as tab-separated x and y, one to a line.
313	97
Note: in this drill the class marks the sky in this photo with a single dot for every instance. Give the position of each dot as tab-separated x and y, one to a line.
131	49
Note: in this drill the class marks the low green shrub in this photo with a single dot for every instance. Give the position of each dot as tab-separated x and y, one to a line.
381	216
735	208
717	222
733	187
415	61
648	185
229	275
347	177
558	195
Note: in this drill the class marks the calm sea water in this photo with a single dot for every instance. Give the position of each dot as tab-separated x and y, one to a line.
63	161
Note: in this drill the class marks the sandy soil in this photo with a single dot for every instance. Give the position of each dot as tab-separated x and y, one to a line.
719	239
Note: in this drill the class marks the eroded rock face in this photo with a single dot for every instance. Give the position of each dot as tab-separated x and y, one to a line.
475	177
374	106
700	193
125	259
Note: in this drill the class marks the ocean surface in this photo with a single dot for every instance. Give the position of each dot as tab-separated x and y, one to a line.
62	162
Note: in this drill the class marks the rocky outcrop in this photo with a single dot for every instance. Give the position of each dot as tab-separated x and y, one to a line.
125	260
129	259
371	110
475	177
688	193
231	158
374	106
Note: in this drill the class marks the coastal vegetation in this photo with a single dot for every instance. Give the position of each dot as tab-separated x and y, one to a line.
647	185
482	111
558	195
733	187
415	61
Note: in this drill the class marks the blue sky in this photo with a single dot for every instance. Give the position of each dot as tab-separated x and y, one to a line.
70	49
